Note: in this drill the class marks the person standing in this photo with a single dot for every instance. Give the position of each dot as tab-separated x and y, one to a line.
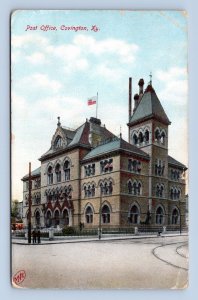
34	236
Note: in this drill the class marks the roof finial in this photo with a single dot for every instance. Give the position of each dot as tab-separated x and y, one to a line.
120	131
59	123
150	78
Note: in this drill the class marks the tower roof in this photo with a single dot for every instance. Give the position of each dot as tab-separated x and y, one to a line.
149	107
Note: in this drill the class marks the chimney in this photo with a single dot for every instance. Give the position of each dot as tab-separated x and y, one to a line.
136	101
141	87
59	123
130	93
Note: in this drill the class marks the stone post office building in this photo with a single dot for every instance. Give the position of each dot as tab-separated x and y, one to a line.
89	173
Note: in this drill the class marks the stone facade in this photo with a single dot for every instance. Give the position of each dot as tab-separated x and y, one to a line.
89	176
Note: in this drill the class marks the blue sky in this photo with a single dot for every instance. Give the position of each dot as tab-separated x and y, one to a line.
54	72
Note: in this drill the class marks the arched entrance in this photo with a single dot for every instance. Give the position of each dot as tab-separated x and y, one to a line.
37	218
56	218
49	219
65	217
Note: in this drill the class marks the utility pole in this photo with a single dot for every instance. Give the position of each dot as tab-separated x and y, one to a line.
30	205
100	210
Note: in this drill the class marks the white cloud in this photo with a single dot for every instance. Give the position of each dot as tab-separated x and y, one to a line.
42	81
126	52
175	85
36	58
23	41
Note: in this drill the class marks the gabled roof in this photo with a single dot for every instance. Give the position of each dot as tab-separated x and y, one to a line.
34	173
115	144
148	107
79	137
174	162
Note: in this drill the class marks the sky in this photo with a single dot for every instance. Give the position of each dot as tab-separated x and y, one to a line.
55	71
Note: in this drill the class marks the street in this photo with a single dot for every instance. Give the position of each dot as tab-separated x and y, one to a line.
158	262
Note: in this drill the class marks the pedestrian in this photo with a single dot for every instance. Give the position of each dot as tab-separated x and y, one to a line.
34	236
39	236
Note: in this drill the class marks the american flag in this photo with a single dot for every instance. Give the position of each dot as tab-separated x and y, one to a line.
92	100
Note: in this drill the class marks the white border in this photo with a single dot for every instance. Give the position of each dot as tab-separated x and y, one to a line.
7	292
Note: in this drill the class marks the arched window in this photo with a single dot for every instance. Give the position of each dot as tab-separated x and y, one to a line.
175	216
135	139
37	218
89	191
56	218
134	215
139	188
58	173
49	219
178	194
161	195
89	215
50	175
65	217
86	191
105	214
134	190
159	215
66	168
110	188
141	138
162	137
157	135
130	187
105	188
101	188
58	142
146	136
93	190
172	193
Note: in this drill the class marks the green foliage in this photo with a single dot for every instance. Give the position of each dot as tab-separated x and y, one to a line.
68	231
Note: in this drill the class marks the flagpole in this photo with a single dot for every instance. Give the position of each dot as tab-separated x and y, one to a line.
97	106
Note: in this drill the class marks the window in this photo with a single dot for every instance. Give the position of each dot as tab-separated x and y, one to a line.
66	168
130	187
134	165
105	214
58	173
160	190
89	190
65	217
68	192
175	216
37	218
159	167
89	170
135	139
134	188
37	183
175	193
134	215
106	166
141	138
162	140
175	174
50	175
89	215
159	216
157	135
146	136
58	142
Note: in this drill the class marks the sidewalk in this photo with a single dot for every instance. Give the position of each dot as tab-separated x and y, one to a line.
74	239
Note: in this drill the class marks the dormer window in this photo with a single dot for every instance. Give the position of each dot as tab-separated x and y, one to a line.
58	142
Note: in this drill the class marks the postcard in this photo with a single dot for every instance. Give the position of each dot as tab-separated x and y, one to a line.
99	149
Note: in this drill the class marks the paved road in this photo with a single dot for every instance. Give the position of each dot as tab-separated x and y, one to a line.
144	263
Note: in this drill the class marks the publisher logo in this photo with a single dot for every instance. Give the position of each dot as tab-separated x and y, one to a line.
19	277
